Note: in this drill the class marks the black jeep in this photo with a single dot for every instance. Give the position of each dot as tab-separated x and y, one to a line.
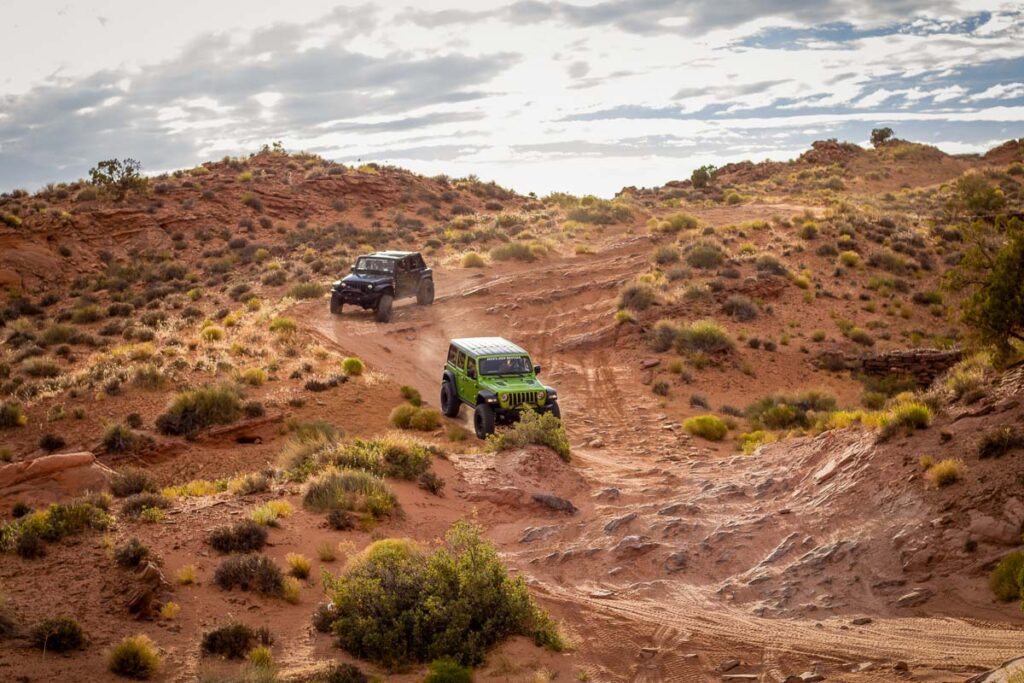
378	279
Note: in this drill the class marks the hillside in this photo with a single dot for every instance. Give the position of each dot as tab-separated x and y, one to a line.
797	305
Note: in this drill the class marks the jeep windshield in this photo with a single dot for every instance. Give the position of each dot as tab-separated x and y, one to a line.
505	365
375	265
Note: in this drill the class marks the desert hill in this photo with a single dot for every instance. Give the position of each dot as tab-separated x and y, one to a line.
787	457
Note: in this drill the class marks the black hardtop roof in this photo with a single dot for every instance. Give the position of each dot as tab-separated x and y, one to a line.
389	254
489	346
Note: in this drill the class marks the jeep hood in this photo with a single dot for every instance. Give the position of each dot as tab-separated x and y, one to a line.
512	383
362	279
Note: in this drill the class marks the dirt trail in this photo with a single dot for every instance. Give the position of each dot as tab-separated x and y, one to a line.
684	556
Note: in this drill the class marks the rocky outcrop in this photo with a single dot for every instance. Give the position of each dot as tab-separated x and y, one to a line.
51	478
922	364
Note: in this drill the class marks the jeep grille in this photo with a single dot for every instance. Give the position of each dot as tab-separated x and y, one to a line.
516	398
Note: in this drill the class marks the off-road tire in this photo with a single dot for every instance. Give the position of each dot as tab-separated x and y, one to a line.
555	410
483	421
425	293
336	305
450	403
383	310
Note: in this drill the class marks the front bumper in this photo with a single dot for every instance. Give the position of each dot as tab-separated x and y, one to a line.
512	414
355	297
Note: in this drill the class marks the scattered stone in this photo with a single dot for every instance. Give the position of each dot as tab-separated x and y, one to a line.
861	621
554	503
901	666
648	652
676	561
649	363
538	533
602	594
633	546
811	677
614	524
608	494
728	665
916	597
992	529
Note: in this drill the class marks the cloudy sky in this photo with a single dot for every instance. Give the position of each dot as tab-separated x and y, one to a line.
579	95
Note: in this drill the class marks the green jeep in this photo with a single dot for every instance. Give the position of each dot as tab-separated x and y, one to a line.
495	378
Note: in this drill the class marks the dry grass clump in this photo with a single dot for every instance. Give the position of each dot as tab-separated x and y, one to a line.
945	472
129	481
352	366
637	296
708	427
998	442
234	640
350	490
57	634
12	415
193	410
408	416
256	573
243	537
134	657
473	260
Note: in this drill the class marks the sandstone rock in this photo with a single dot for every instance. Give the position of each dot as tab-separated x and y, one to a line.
676	561
1013	512
553	502
728	665
991	529
861	621
51	478
614	524
916	597
538	533
610	493
634	546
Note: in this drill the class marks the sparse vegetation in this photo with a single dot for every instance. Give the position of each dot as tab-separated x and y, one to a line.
352	366
234	640
58	634
1006	577
243	537
708	427
533	428
134	657
350	490
193	410
945	472
256	573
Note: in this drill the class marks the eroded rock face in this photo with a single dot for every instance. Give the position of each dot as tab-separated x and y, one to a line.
51	478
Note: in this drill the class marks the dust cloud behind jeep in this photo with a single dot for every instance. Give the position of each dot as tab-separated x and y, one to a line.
495	378
378	279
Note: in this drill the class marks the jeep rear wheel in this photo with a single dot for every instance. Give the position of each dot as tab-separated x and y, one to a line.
483	421
450	403
336	305
383	310
425	293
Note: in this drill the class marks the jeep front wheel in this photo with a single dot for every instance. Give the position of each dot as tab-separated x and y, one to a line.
425	293
555	410
383	310
483	421
450	403
336	304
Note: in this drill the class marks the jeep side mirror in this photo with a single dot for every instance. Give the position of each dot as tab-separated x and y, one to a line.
536	369
353	269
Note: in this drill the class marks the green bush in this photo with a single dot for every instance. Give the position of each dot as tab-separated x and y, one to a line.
118	438
12	415
637	296
705	255
789	411
283	325
234	640
352	366
387	456
193	410
353	490
57	634
707	427
678	222
256	573
135	505
533	428
1005	580
705	336
40	368
345	673
412	395
998	442
741	308
447	670
131	480
663	335
408	416
398	604
60	520
243	537
134	657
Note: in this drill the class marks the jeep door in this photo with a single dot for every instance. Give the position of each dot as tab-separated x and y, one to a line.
472	380
406	278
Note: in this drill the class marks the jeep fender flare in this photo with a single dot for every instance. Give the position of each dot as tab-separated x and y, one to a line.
449	376
551	392
486	397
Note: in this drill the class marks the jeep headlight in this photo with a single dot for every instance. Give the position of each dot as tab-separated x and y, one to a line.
503	397
540	396
369	288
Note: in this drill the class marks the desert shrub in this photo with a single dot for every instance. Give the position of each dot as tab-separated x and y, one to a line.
473	260
968	376
398	604
408	416
513	251
57	634
131	553
40	368
769	264
26	534
234	640
705	255
193	410
352	366
1005	579
428	481
253	376
135	505
705	336
402	414
708	427
889	261
751	441
248	484
789	411
306	290
283	325
345	673
945	472
12	415
51	442
666	254
299	565
637	296
533	429
341	520
447	670
911	414
86	314
387	456
849	259
678	222
998	442
353	490
411	394
58	334
131	480
134	657
242	537
741	308
120	439
663	335
256	573
270	512
212	333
